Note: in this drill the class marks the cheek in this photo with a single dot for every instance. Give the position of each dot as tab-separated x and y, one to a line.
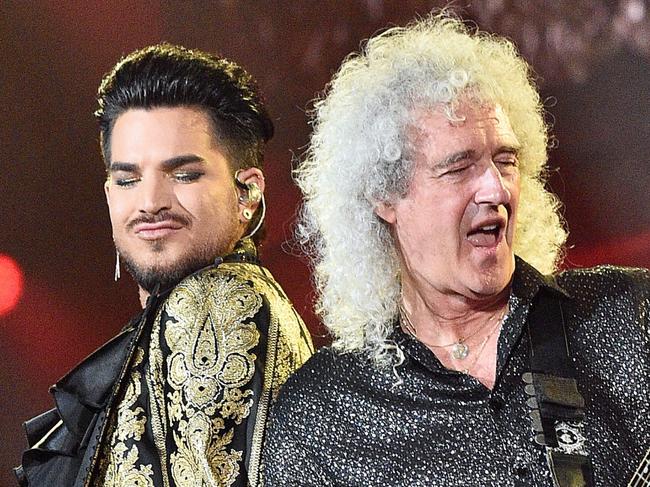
406	221
194	200
446	215
117	211
208	206
515	185
515	194
427	219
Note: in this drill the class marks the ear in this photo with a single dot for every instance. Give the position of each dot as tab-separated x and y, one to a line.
107	188
249	177
386	211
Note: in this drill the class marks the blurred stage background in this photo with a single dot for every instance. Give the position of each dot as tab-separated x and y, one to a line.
593	59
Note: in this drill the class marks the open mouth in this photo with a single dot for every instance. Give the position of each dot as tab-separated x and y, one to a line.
486	235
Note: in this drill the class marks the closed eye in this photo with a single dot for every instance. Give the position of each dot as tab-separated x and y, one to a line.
123	174
457	169
508	161
507	165
125	181
456	163
507	156
187	176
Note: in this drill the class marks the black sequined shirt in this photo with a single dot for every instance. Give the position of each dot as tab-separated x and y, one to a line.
341	421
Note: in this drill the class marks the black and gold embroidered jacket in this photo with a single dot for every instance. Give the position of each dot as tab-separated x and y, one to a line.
181	396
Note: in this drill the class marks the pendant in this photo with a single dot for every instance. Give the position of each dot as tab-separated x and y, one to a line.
459	351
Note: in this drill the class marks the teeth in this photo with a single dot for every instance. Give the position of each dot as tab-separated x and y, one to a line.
489	228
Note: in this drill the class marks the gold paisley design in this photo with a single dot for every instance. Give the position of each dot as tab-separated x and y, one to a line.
288	347
202	382
119	465
123	472
154	375
289	339
210	335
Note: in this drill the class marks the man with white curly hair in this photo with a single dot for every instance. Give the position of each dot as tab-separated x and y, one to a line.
460	356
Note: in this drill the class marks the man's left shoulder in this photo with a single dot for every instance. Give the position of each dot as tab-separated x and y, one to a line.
229	281
240	293
606	280
232	295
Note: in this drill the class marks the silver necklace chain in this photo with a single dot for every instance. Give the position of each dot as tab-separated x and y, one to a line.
460	350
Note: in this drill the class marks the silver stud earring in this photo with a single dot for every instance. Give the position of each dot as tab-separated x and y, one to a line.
248	214
117	265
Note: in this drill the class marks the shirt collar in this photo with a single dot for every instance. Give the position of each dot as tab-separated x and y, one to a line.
527	281
244	251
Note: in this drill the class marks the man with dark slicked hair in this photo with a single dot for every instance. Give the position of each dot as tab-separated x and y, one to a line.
180	397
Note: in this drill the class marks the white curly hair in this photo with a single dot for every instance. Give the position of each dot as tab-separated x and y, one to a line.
359	155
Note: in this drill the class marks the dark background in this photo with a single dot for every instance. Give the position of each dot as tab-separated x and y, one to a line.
591	56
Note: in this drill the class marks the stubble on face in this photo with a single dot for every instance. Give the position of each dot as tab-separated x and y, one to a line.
157	276
171	197
157	272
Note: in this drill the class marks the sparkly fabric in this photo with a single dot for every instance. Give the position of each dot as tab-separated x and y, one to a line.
342	421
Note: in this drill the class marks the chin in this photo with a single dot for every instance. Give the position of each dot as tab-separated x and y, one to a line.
162	256
492	282
166	267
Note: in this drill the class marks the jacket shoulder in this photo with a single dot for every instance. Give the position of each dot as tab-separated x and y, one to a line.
606	279
315	381
231	276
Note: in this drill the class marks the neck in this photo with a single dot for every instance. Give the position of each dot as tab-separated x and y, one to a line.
447	318
143	295
462	333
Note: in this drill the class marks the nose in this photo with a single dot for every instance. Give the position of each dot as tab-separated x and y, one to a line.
155	195
492	189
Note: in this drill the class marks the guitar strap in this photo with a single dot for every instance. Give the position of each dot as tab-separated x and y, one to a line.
557	407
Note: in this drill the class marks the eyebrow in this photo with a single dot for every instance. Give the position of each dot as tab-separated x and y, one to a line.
121	166
167	164
508	149
178	161
452	159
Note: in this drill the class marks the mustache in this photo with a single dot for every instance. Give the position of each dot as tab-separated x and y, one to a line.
159	217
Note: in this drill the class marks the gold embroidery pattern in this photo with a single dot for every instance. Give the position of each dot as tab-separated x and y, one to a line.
202	388
118	466
288	347
289	344
154	376
209	365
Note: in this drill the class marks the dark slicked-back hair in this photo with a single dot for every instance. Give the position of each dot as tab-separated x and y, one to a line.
165	75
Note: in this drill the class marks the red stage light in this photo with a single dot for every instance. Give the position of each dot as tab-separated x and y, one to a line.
11	284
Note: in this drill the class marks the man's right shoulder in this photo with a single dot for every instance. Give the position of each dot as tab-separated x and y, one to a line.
315	383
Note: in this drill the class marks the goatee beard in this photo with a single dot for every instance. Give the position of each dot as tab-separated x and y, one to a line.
158	278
